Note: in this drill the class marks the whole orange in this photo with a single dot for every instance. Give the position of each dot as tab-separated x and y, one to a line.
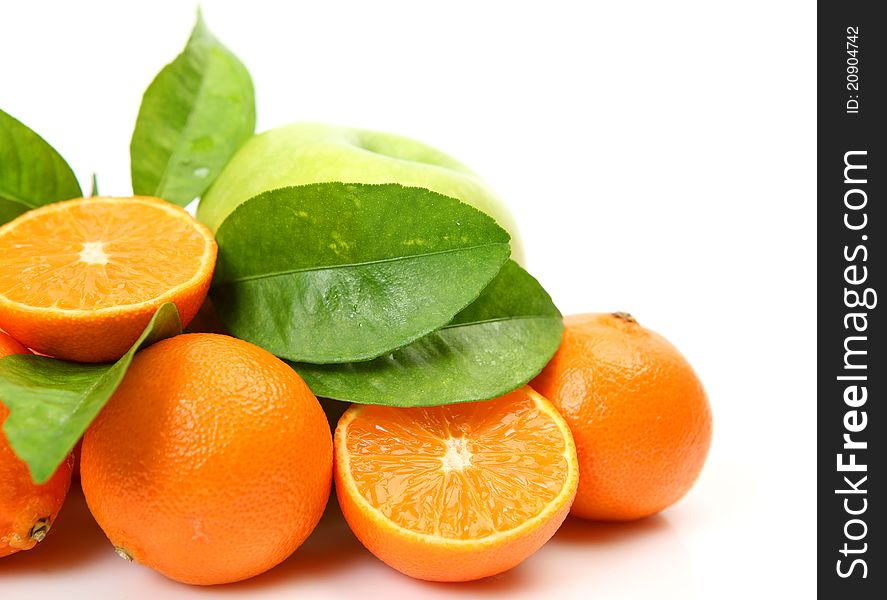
27	510
638	413
212	461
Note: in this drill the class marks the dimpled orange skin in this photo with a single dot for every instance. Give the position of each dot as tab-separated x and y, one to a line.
638	413
211	463
24	505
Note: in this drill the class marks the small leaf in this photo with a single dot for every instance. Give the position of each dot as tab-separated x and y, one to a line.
95	186
32	173
198	110
497	344
334	272
51	402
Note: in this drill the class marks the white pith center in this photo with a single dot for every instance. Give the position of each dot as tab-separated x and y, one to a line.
93	253
457	455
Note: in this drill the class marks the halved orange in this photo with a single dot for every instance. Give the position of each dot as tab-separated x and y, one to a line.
456	492
80	279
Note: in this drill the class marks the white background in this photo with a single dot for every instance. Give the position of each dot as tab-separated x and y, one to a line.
659	157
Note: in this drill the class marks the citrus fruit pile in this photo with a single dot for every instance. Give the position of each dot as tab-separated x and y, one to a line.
468	417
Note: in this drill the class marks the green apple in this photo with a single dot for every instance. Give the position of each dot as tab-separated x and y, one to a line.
303	153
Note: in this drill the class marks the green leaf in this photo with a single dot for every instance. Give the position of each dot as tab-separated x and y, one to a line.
32	173
497	344
334	272
51	402
198	110
10	209
95	186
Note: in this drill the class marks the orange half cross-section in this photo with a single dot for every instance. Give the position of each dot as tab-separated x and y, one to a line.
456	492
80	279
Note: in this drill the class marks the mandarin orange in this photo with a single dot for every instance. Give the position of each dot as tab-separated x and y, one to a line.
27	510
211	463
638	413
456	492
80	279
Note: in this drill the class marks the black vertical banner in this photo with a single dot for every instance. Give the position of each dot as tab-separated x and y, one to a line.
851	361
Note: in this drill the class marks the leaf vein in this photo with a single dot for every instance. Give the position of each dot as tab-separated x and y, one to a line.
355	264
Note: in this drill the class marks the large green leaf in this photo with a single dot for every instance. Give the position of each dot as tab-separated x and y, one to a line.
32	173
333	272
198	110
497	344
51	402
